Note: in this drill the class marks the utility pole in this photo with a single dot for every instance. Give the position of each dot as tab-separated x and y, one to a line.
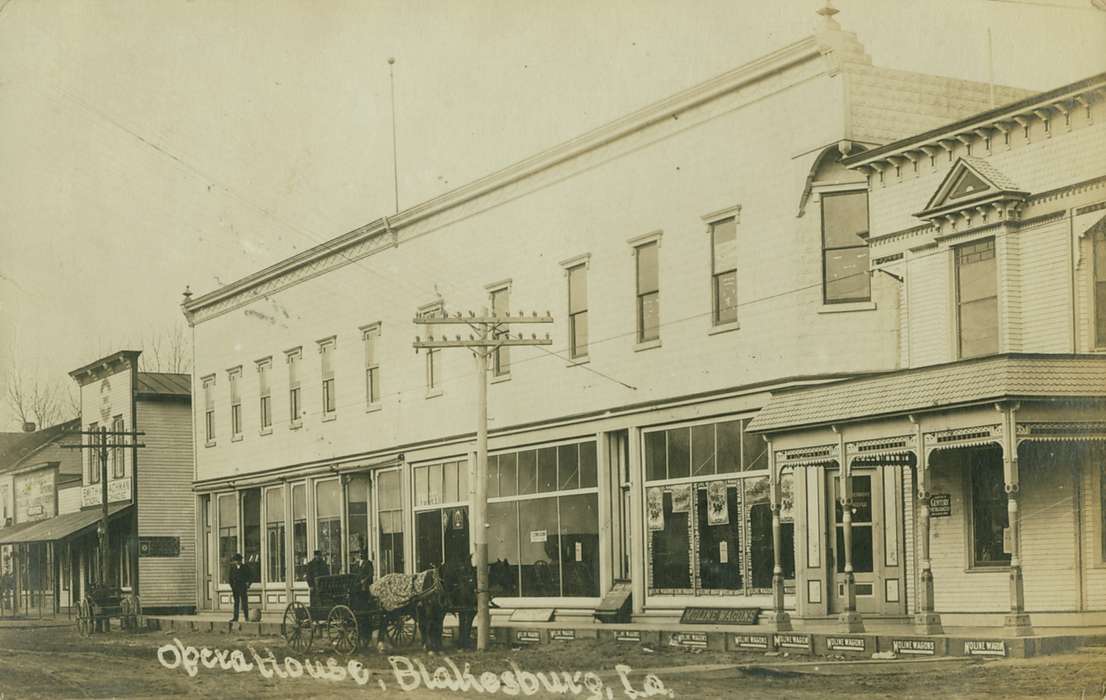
99	443
489	334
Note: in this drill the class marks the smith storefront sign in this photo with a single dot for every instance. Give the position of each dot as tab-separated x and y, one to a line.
118	490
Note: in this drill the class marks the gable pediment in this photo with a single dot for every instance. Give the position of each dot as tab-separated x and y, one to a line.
972	186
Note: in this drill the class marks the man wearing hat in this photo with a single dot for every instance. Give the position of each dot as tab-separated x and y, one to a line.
315	568
239	579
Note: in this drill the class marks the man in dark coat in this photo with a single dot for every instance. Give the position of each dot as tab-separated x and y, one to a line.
362	567
315	568
239	579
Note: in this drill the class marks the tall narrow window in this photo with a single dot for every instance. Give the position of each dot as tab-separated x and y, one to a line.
723	239
295	408
93	457
389	507
977	298
117	459
990	519
265	394
433	355
578	310
299	530
228	533
500	303
251	532
234	379
274	534
371	336
845	247
1099	242
328	522
326	362
209	410
648	292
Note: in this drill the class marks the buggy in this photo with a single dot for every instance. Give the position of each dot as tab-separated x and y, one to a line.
347	614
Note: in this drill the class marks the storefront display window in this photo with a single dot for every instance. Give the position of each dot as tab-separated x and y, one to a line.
990	518
299	530
357	510
228	532
543	534
328	522
274	534
861	507
711	535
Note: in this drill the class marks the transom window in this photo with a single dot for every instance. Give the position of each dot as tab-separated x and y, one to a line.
441	514
723	238
648	291
845	247
977	298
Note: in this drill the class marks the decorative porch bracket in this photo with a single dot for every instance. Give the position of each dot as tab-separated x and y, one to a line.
1017	620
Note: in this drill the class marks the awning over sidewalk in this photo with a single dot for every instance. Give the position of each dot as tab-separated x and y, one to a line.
993	378
58	528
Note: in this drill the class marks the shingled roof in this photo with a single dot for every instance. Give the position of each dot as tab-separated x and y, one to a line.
1010	376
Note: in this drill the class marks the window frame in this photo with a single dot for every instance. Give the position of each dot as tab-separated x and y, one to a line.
433	363
293	357
208	385
93	462
234	389
265	395
118	456
637	245
501	358
711	221
581	263
328	397
958	304
970	467
370	339
825	248
1098	277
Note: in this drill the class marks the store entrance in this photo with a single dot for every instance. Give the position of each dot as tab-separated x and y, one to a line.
877	535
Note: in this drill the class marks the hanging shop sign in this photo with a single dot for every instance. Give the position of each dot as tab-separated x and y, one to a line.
720	616
654	507
717	509
159	546
940	505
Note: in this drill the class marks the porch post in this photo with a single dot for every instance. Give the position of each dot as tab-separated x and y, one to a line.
850	619
926	620
1017	621
781	619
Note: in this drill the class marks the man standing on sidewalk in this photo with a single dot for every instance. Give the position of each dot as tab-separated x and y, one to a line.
239	579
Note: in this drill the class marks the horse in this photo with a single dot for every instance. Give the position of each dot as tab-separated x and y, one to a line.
420	596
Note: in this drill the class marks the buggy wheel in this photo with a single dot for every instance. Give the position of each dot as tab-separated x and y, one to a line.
398	631
297	627
84	618
342	630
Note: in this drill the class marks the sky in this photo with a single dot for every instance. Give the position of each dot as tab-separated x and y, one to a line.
146	146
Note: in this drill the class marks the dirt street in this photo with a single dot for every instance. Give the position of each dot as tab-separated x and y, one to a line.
56	663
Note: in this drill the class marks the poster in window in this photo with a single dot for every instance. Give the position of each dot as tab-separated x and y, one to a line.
654	508
717	511
681	498
458	519
787	499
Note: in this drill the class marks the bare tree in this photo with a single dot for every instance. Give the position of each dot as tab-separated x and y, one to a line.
166	350
33	399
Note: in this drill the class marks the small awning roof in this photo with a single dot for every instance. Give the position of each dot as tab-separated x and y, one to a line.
58	528
938	387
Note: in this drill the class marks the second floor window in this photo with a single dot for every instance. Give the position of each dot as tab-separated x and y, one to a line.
723	239
265	394
234	379
94	455
295	409
578	310
845	247
500	302
371	335
648	292
433	355
209	410
118	470
1099	242
326	362
977	298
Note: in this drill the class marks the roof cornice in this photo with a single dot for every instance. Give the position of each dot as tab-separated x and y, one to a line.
813	47
1040	107
106	365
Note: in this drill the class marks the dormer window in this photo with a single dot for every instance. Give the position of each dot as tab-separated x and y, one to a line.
845	247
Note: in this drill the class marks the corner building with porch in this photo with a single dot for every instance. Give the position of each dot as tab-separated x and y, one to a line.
968	488
697	255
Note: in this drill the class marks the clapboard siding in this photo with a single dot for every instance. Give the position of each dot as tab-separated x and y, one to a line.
928	296
1046	314
165	502
1094	567
1048	545
911	574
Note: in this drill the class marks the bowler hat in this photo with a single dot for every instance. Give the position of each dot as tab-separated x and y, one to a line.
237	557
